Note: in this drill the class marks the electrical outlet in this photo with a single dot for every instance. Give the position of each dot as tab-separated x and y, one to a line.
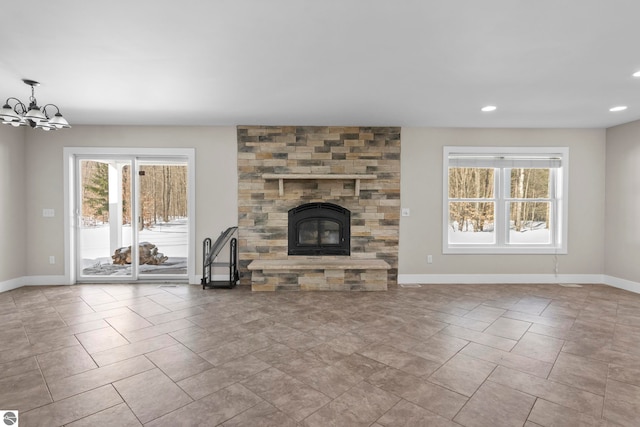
52	259
429	259
406	212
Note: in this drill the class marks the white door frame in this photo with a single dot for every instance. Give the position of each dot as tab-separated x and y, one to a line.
70	185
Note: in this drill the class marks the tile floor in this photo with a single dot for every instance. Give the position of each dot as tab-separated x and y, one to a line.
441	355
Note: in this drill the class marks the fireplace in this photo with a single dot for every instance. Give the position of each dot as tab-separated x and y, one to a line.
319	229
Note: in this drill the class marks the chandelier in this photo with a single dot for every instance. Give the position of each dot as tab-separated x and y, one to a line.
37	117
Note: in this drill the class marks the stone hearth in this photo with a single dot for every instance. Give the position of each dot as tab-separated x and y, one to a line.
340	152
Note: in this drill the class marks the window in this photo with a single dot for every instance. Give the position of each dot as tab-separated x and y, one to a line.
505	200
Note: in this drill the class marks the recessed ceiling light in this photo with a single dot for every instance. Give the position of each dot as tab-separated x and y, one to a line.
618	108
636	74
489	108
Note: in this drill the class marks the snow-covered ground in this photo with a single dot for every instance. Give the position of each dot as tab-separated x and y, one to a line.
532	237
170	239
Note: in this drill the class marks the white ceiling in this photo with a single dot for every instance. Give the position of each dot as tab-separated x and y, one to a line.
543	63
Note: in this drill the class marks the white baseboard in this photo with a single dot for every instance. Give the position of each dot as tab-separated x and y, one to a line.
627	285
616	282
32	281
45	280
498	278
468	279
10	284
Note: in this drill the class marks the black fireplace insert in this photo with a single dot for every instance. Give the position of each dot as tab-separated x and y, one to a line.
319	229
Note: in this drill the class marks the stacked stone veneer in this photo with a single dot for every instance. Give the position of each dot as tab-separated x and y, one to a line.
262	212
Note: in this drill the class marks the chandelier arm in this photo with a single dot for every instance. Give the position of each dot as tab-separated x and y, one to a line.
44	109
23	108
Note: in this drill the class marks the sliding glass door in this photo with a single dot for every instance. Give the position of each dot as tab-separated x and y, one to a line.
132	217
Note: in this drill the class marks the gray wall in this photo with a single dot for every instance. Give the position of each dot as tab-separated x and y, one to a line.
216	184
13	253
37	156
422	186
622	226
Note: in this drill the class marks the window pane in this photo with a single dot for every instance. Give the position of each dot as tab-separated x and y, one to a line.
470	183
471	222
529	223
529	183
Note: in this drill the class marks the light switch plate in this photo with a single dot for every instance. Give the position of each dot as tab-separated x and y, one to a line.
406	212
48	213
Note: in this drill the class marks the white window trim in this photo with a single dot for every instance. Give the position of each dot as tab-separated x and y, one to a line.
559	233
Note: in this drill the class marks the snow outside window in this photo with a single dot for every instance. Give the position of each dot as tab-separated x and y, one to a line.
505	200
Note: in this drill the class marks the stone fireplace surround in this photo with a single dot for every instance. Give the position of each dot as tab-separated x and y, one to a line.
321	164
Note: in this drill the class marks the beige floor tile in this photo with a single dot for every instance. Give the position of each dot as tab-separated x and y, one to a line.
212	380
22	350
119	415
625	374
128	351
464	322
73	408
430	396
101	339
539	347
439	348
178	362
277	352
175	315
555	392
17	367
328	379
462	374
226	352
261	415
128	322
508	328
485	313
360	406
496	405
554	322
360	365
406	414
211	410
480	337
531	305
156	330
322	340
64	362
151	394
286	393
622	403
507	359
398	359
545	413
579	372
24	391
93	378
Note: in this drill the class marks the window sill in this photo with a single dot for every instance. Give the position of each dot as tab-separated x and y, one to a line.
474	250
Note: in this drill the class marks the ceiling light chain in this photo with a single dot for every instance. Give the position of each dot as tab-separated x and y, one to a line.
34	116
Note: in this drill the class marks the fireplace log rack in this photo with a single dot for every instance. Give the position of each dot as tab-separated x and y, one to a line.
210	253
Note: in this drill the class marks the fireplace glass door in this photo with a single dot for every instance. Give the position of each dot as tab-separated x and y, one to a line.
319	233
319	229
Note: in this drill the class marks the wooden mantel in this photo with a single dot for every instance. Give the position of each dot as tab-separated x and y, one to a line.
281	177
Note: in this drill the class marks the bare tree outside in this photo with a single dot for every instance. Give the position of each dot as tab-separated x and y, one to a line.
472	199
163	193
